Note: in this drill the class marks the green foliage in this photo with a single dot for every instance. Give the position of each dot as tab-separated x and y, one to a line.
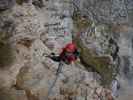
6	52
99	64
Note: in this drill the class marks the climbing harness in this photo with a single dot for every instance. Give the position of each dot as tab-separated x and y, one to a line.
59	70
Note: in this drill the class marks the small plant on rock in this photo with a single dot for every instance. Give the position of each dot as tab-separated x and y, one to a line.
6	52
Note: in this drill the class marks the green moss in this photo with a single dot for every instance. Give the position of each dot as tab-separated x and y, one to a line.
5	94
6	52
80	22
98	64
20	2
108	29
88	57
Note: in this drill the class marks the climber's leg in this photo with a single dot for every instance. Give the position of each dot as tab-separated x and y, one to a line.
59	68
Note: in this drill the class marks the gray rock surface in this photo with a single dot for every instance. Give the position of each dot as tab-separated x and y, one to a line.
116	17
33	33
36	28
6	4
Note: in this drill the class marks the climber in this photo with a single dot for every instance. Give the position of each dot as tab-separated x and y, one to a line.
68	55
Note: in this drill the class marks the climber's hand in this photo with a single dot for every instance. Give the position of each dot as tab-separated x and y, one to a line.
52	53
78	60
72	63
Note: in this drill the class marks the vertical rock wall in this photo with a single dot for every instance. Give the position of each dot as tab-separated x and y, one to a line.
111	34
36	28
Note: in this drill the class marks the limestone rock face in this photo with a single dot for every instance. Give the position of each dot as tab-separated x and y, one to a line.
32	29
109	33
107	11
6	4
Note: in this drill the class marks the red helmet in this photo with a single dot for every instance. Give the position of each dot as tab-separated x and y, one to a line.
71	47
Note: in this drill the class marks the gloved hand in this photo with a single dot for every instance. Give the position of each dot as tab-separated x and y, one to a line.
52	53
78	59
